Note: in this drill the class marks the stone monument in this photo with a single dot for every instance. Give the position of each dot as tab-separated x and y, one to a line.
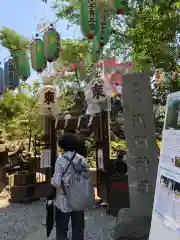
134	223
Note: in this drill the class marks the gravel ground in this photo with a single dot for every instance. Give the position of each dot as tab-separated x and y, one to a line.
17	221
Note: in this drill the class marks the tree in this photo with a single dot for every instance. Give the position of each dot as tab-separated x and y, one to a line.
154	39
147	33
12	40
71	84
73	51
19	113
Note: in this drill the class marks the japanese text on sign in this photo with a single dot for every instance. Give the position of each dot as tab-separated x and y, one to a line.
136	93
97	89
138	118
49	97
143	163
144	186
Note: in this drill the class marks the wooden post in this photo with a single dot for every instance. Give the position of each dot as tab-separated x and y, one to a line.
50	143
47	137
53	145
101	132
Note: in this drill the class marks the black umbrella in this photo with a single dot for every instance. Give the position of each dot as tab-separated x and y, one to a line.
50	216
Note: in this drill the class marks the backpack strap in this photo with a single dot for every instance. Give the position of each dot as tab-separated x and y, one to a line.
70	163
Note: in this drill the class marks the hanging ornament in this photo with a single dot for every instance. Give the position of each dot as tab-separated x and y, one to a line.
10	76
98	90
22	63
38	61
116	6
16	80
89	18
105	31
96	94
121	6
96	51
48	101
2	82
159	76
51	44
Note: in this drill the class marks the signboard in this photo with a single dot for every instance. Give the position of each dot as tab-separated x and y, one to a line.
166	211
45	158
100	159
141	142
97	94
48	100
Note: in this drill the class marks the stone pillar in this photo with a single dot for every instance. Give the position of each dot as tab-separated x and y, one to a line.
142	162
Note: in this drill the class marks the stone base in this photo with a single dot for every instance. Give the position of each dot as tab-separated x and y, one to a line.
131	227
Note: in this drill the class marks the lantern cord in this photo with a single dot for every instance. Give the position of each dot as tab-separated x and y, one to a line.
43	31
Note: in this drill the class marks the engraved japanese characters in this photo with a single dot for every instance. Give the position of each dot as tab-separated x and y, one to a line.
141	142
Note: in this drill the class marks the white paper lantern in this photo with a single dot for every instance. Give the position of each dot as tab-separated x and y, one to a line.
98	90
48	100
96	94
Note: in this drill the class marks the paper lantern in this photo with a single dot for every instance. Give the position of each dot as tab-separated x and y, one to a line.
11	78
96	94
120	6
38	61
112	6
22	63
51	44
105	31
97	90
2	82
89	18
48	100
96	50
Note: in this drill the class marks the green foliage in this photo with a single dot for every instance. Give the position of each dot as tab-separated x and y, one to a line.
19	115
11	39
73	51
154	39
147	34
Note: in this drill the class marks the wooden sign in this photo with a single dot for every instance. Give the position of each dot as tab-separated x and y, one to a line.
45	158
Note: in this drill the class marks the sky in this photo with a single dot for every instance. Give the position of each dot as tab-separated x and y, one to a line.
23	16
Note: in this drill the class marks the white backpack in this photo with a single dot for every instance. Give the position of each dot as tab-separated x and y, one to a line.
80	191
